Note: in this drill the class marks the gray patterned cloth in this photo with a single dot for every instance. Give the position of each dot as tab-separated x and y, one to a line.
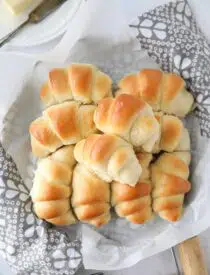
29	245
173	39
170	35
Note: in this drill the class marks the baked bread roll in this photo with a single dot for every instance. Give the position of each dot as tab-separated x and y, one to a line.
130	118
174	136
79	82
163	91
170	174
134	203
52	190
62	124
91	197
109	157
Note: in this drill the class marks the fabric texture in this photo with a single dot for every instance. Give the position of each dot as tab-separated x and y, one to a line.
30	245
173	39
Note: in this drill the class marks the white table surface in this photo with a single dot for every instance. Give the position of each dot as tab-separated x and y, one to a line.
165	263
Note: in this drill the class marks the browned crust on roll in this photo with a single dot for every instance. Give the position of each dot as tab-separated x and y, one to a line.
172	128
62	124
52	189
173	84
41	131
132	203
129	85
167	203
163	91
87	212
172	215
172	185
173	165
124	192
118	111
94	190
81	79
146	84
98	147
58	80
128	208
91	197
63	118
81	82
141	217
46	191
169	176
51	209
150	84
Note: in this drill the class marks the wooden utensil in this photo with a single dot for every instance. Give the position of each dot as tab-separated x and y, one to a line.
37	15
191	257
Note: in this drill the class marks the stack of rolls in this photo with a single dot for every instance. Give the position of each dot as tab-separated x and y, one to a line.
130	152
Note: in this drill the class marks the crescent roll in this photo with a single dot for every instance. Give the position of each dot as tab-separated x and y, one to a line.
109	157
91	197
163	91
62	124
134	203
170	174
130	118
52	190
80	82
174	136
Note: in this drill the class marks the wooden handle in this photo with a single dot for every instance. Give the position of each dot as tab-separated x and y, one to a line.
191	257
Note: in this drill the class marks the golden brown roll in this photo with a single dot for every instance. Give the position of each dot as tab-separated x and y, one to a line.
170	174
163	91
62	124
52	189
109	157
130	118
134	203
79	82
174	136
91	197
